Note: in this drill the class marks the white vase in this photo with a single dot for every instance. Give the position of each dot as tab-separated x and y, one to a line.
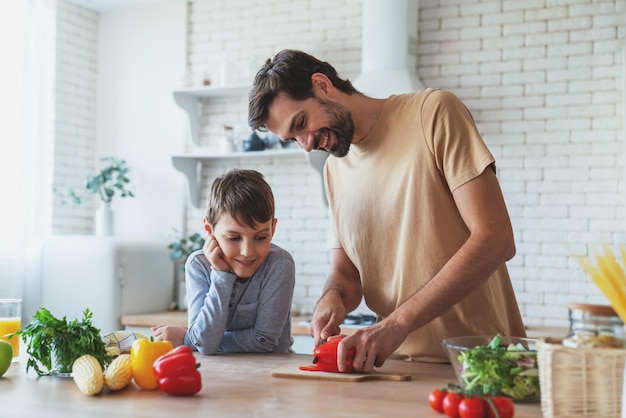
104	220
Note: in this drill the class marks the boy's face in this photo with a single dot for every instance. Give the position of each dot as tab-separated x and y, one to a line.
243	248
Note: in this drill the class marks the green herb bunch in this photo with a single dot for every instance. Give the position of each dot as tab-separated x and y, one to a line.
46	335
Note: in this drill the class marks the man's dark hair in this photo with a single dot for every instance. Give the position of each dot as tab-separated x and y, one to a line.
289	72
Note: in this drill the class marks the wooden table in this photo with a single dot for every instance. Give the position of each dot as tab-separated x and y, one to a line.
237	385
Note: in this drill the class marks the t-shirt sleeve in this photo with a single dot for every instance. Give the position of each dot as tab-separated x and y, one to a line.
453	138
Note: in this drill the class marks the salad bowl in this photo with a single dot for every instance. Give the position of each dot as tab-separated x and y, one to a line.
499	365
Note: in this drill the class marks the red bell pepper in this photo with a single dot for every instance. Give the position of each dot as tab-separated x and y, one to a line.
177	372
325	358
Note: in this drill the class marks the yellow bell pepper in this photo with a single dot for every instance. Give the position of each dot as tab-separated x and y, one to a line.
143	353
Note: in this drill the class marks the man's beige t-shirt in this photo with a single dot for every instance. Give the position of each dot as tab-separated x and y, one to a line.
393	213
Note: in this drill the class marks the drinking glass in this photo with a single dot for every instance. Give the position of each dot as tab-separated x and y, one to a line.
10	322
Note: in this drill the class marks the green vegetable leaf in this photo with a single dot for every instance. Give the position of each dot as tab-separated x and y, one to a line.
49	339
494	369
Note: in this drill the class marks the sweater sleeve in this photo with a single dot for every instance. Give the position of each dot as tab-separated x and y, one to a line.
277	280
209	292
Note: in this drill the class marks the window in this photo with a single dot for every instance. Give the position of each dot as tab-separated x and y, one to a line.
26	137
12	30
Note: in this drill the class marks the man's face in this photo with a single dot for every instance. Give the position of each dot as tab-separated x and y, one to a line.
314	123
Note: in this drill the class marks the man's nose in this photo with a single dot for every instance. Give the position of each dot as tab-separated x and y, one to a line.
306	141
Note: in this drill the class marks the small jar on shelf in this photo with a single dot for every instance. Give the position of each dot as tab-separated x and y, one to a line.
229	142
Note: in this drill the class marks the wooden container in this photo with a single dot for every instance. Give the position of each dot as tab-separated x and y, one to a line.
580	382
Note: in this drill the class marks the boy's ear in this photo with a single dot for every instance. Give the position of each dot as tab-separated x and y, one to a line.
207	226
274	222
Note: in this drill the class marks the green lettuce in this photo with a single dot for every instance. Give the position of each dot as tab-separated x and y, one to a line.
494	369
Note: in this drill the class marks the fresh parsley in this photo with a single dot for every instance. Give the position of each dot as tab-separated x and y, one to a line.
47	337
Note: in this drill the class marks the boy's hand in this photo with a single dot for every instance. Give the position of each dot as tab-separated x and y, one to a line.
213	253
171	333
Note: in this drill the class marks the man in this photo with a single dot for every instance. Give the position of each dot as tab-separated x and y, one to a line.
418	223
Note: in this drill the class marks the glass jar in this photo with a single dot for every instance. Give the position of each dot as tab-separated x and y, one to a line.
594	326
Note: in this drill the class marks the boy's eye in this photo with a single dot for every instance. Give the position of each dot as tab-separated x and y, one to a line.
261	238
233	238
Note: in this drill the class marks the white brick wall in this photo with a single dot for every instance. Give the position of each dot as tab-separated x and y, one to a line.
75	124
252	31
544	82
542	79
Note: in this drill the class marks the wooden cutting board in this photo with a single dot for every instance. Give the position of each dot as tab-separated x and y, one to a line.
293	371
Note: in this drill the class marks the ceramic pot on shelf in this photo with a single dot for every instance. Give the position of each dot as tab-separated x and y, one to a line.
253	143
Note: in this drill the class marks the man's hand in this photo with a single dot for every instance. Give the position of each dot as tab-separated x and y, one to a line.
213	253
329	313
342	294
374	344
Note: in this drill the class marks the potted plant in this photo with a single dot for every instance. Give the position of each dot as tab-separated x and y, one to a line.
180	249
53	344
183	247
112	179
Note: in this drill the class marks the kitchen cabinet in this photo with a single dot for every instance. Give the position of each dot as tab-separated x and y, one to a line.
303	343
190	100
111	276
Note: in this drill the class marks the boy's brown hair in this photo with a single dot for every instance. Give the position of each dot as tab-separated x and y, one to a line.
244	195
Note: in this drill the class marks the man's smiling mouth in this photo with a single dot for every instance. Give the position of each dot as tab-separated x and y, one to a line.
324	141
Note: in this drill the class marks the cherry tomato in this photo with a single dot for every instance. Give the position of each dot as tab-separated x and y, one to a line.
503	405
451	404
435	399
473	407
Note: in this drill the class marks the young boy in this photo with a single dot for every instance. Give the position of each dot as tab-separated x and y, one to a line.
240	286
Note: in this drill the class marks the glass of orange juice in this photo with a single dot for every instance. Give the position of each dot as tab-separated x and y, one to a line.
11	321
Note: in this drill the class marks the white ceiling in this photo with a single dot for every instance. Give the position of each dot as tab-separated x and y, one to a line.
108	5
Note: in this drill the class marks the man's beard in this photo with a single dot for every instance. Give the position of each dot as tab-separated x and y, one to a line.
341	124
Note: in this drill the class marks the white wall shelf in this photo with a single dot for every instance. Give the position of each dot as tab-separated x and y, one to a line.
189	99
191	164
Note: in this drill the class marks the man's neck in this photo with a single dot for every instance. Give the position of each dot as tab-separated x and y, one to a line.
365	112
